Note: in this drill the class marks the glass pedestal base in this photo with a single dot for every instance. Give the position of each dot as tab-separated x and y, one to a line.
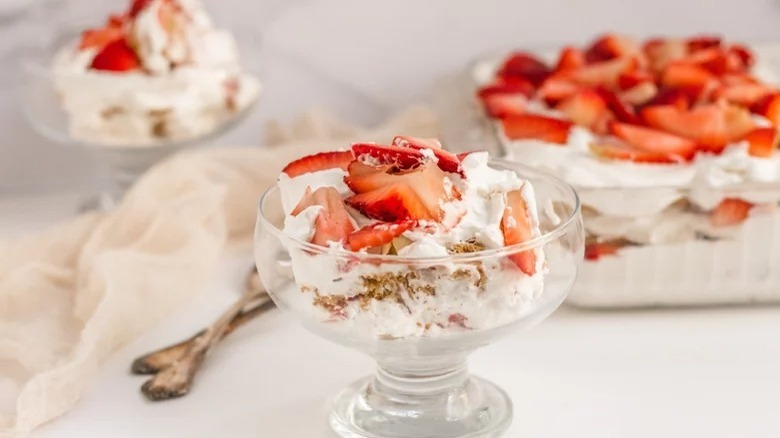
452	404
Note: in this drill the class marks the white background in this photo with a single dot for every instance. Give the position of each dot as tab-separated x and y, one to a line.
685	373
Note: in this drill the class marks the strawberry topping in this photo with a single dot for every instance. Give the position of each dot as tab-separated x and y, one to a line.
378	234
730	211
532	126
762	142
517	228
116	56
333	223
317	162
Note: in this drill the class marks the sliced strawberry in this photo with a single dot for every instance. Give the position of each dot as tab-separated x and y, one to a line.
621	109
526	66
660	52
403	157
676	148
137	6
705	124
670	96
462	156
738	122
730	79
584	108
745	55
116	20
503	105
532	126
730	211
116	56
516	227
416	194
557	88
762	142
596	250
743	94
631	79
99	38
714	60
333	223
702	42
320	161
507	86
639	94
611	46
378	234
604	73
769	107
690	78
571	59
363	178
624	152
416	142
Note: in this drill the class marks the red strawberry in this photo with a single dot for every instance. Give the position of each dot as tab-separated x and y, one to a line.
729	79
730	211
508	85
712	126
99	38
769	107
746	57
584	108
620	151
597	250
447	161
333	223
320	161
462	156
378	234
676	148
362	177
702	42
762	142
622	110
116	56
631	79
604	73
639	94
670	96
403	157
116	20
416	142
137	6
516	227
503	105
690	78
744	94
571	59
525	65
611	46
660	52
557	88
714	60
415	194
532	126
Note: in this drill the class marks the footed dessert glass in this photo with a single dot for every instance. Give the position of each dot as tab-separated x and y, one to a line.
119	162
420	318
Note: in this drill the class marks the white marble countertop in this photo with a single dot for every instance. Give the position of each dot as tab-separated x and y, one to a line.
672	373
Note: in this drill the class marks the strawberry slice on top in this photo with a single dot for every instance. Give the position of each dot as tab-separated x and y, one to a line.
730	211
762	142
533	126
378	234
116	56
99	38
417	193
333	222
447	161
526	66
318	162
676	148
517	228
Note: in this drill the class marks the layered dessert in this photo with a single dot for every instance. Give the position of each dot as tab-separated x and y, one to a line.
158	72
404	240
672	145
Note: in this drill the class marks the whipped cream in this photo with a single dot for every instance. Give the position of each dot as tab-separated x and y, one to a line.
191	83
438	297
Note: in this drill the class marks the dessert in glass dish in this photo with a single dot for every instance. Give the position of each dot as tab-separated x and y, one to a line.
417	256
672	146
145	82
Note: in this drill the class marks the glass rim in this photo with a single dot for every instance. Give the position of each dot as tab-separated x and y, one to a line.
537	242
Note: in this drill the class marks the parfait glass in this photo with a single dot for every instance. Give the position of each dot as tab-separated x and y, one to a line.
119	161
422	387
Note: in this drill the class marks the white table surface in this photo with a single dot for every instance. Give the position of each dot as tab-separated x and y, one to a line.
675	373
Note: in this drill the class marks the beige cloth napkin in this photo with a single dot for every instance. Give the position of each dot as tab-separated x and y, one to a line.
72	295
